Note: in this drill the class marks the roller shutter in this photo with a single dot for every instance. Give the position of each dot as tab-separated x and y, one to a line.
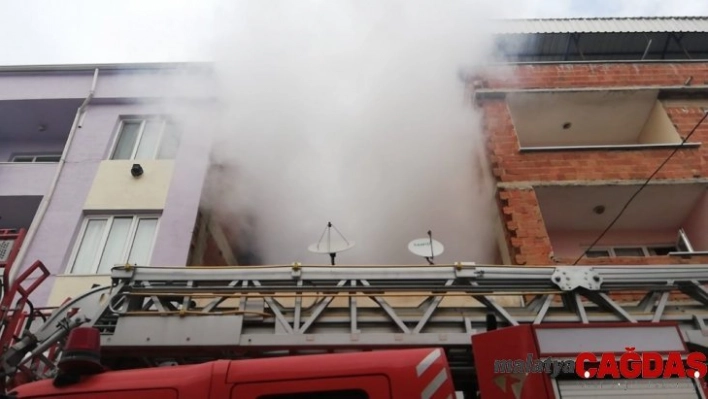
683	388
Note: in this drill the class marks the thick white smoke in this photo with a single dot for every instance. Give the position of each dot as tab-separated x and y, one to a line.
352	112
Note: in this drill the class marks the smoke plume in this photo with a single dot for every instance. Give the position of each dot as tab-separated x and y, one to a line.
352	112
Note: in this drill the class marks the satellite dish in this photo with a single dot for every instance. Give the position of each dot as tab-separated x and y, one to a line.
427	248
331	245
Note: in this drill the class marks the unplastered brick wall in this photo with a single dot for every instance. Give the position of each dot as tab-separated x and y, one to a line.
527	238
525	231
528	242
511	165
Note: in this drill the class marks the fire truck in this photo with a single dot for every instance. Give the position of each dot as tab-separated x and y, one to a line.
350	332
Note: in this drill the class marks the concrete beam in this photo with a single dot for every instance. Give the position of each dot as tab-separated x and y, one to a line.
527	185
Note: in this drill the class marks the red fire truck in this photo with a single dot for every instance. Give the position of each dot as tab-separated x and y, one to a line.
394	332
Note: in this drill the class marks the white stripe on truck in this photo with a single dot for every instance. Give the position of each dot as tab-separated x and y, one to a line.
434	385
427	362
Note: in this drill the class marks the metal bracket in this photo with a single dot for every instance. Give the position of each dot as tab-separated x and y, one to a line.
568	279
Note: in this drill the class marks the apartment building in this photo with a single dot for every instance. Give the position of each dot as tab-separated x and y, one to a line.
103	165
584	112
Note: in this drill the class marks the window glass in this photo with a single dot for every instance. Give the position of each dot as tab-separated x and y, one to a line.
629	252
90	242
597	253
116	240
661	251
48	158
23	159
115	244
170	142
126	140
149	139
142	243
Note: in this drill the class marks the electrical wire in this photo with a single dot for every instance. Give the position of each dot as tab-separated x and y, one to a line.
621	212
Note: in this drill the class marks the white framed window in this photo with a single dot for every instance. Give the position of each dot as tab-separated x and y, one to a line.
107	241
36	158
144	138
682	245
635	250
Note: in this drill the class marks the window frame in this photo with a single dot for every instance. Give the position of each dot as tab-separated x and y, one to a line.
143	119
34	157
78	241
610	249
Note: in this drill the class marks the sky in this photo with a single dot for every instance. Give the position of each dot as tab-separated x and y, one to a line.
102	31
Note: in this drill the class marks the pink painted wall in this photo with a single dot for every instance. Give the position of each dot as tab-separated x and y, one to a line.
573	243
696	225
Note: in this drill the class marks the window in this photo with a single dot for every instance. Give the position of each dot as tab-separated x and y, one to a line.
36	158
146	138
107	241
347	394
613	252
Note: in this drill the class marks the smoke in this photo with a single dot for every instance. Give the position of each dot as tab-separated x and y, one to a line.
351	112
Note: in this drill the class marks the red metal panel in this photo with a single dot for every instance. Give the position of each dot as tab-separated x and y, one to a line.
375	386
191	381
514	343
410	371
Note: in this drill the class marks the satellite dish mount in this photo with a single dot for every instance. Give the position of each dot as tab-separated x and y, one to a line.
330	246
426	247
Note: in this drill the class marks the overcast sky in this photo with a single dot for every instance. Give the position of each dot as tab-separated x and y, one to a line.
97	31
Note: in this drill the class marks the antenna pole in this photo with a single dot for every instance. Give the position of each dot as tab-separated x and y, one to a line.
332	256
432	252
329	235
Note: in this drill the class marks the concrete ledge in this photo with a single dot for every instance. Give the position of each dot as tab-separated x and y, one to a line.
664	91
616	147
571	183
67	286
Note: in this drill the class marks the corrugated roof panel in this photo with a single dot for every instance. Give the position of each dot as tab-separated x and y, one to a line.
603	25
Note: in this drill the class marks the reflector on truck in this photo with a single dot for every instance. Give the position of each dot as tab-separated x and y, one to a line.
675	388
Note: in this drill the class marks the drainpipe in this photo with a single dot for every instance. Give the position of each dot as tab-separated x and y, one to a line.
42	210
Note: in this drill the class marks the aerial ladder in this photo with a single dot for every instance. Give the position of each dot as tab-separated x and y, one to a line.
164	316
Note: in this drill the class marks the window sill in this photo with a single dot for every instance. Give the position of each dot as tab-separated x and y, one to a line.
689	254
619	147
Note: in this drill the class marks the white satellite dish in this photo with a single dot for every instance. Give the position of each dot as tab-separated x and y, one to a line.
331	245
427	248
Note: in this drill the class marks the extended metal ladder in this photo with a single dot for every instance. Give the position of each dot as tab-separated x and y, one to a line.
152	316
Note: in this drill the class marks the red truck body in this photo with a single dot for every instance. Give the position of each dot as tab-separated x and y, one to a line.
390	374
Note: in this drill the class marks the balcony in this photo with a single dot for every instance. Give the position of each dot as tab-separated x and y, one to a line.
17	212
664	220
598	119
33	134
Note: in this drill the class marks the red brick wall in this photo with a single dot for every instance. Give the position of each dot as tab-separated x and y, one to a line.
510	165
525	231
526	234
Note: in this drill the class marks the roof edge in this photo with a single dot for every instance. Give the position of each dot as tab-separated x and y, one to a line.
659	18
107	66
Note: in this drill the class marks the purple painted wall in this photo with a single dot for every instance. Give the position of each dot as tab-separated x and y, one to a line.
26	178
184	195
55	236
